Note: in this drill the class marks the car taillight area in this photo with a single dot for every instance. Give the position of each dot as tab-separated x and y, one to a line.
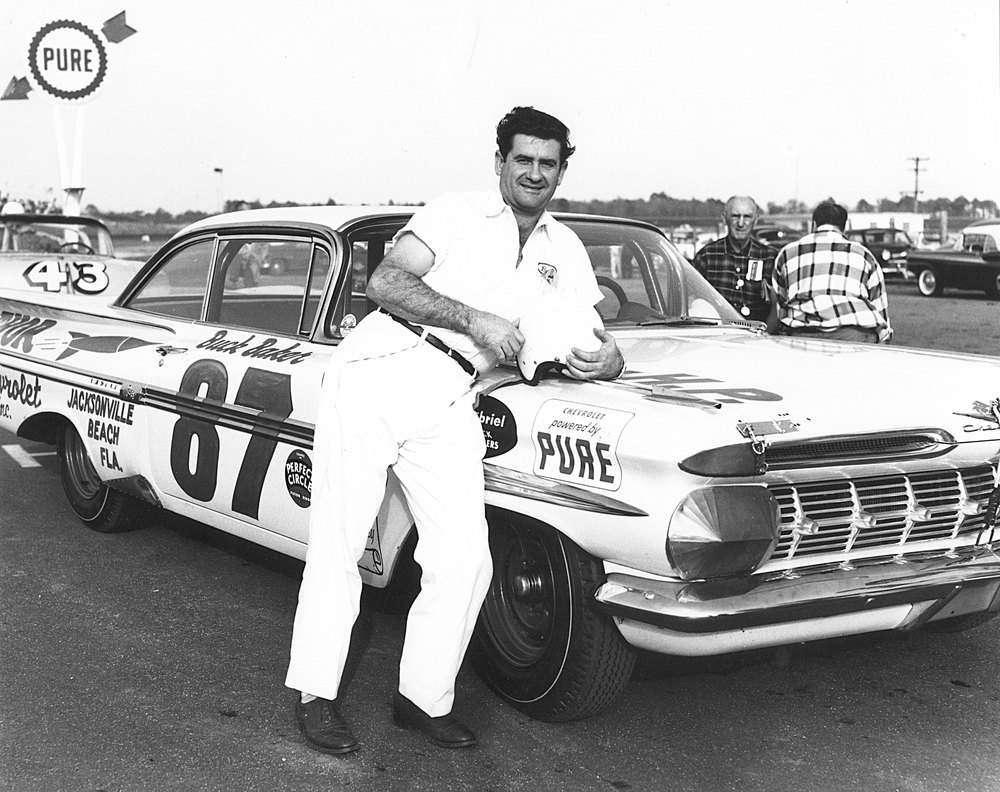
722	531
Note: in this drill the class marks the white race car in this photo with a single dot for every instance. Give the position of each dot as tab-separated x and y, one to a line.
61	254
731	491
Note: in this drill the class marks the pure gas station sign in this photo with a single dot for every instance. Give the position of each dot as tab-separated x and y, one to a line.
67	59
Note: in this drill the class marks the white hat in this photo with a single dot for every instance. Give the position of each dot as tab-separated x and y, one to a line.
552	326
12	207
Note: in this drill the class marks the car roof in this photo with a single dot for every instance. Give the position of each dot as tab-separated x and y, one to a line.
52	218
339	217
335	216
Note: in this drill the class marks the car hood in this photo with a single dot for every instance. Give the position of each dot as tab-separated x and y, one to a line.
813	387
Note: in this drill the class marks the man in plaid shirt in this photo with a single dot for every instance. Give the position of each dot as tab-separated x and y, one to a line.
830	286
737	265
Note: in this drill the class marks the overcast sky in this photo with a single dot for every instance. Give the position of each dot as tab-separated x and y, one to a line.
377	100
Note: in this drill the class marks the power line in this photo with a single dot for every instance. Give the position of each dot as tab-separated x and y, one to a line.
916	181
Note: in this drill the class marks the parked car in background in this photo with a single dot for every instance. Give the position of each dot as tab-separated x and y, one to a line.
776	236
689	240
715	498
62	254
890	246
970	261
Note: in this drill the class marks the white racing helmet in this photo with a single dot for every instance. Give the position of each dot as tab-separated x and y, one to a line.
552	326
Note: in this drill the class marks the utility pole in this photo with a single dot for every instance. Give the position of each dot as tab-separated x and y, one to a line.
916	181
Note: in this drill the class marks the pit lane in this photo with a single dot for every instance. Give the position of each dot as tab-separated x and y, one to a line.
154	660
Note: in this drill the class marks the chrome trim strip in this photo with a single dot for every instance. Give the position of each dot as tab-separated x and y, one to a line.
230	416
742	603
524	485
807	453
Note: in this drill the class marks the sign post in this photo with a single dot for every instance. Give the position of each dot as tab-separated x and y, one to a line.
68	63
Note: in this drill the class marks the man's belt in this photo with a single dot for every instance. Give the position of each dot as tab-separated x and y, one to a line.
434	341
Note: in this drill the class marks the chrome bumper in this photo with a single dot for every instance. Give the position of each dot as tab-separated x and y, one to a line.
968	581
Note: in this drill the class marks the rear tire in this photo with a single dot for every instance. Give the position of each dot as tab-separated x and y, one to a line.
928	283
97	505
992	288
540	643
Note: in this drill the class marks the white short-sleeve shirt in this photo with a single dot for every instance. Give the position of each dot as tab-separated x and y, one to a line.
474	238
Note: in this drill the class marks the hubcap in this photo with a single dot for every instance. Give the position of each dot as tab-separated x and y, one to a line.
519	607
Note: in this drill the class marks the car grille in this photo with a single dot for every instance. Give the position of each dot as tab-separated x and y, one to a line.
891	513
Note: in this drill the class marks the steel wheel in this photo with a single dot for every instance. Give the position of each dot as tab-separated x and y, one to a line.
539	641
100	507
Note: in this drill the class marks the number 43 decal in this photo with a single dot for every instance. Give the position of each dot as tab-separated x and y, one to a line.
89	277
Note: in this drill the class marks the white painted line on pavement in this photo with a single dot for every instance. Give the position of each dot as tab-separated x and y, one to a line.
22	457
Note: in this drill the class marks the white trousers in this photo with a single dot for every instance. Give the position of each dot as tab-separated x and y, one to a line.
410	409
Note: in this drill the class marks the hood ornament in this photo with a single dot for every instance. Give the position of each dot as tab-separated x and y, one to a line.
984	411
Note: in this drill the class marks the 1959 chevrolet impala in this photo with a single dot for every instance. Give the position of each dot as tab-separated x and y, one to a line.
731	491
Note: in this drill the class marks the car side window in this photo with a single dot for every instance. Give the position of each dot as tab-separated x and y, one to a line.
177	288
261	284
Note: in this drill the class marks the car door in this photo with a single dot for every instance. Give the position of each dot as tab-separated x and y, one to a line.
230	440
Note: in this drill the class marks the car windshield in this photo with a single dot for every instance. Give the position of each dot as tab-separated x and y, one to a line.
27	234
644	279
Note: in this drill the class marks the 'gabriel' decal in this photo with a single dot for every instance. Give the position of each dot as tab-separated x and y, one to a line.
578	443
499	427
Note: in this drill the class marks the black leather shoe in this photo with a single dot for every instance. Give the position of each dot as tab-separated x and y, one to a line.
324	727
445	730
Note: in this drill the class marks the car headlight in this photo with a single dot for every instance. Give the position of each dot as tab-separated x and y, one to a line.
886	255
722	531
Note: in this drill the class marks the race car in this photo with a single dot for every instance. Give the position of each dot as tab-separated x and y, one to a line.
731	490
54	253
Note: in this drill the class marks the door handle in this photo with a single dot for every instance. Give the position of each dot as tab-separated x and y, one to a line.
165	350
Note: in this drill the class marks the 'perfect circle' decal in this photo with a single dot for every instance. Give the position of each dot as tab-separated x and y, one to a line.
298	478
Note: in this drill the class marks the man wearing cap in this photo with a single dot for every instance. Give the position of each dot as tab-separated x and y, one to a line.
831	287
737	265
399	393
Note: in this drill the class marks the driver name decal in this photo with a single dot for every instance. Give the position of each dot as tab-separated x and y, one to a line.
267	349
578	443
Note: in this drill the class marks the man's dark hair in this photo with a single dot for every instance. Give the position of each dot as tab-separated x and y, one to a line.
535	123
830	213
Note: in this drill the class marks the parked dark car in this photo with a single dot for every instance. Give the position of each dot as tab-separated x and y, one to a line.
971	262
776	236
891	246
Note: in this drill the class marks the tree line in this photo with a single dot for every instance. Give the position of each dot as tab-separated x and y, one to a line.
659	208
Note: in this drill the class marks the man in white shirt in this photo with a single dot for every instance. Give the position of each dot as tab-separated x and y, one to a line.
399	393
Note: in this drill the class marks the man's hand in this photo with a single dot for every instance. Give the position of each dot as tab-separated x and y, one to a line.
496	334
606	363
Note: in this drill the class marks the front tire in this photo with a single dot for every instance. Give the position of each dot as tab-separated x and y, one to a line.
958	623
97	505
928	283
540	643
